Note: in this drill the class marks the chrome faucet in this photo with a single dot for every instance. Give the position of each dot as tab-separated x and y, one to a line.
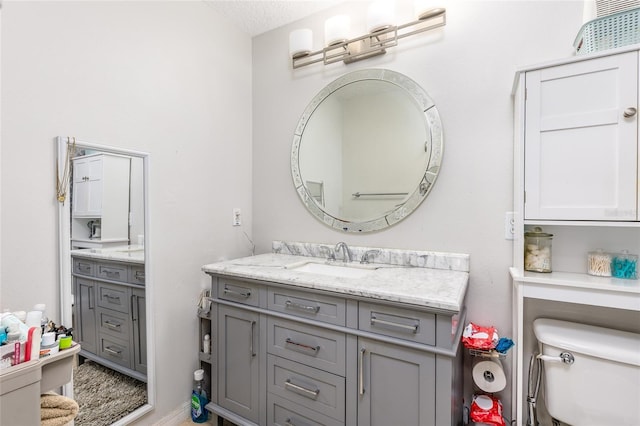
366	257
346	253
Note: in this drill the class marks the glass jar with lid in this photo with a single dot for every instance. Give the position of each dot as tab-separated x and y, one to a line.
624	265
537	250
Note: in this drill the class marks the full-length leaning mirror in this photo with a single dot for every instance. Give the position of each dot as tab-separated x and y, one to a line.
367	150
104	279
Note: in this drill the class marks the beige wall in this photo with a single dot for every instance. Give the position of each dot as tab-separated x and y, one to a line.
146	76
468	69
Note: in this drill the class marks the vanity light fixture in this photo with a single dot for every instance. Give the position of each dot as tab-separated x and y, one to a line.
383	35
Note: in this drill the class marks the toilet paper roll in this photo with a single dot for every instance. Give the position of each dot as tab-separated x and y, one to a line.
489	376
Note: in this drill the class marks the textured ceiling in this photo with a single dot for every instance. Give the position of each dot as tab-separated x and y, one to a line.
258	16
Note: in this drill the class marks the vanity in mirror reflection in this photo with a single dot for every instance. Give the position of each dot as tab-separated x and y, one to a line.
367	150
103	267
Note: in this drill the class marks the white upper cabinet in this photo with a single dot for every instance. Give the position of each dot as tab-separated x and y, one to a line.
581	141
101	186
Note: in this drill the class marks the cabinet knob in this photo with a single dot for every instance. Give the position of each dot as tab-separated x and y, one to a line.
630	112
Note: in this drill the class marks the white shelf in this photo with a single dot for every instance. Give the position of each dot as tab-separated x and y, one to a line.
588	223
579	288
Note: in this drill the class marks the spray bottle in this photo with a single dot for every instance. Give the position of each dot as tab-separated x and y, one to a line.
199	413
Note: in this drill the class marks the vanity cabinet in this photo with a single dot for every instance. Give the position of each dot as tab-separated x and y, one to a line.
109	315
576	169
287	355
239	387
393	373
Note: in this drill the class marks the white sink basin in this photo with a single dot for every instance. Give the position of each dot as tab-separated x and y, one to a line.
333	269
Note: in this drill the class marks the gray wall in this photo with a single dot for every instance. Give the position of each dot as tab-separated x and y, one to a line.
468	69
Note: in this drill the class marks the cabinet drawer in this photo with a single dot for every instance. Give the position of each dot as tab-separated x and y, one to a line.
115	350
282	412
111	271
114	323
309	387
313	346
239	291
113	296
136	275
327	309
404	324
84	267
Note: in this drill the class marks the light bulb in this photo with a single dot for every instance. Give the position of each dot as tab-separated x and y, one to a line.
300	42
336	30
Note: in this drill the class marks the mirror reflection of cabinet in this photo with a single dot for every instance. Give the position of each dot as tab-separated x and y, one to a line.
101	187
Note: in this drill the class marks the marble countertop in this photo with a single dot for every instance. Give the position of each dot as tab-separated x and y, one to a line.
441	288
130	254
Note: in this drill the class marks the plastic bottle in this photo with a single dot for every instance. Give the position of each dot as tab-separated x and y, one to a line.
199	413
206	344
44	321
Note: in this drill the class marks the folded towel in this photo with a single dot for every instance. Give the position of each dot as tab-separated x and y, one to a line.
57	410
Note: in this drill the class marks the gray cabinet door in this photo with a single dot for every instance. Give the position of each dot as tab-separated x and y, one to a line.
396	385
138	319
239	370
85	321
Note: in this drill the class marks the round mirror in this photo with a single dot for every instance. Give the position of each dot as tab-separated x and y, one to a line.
367	150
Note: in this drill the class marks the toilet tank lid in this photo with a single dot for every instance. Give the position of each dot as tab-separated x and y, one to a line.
605	343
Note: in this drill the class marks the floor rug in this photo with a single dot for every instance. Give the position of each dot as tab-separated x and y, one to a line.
105	396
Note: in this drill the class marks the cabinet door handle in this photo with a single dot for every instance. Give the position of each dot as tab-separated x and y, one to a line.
91	304
313	394
629	112
288	422
134	308
237	293
302	346
300	307
411	328
361	372
253	326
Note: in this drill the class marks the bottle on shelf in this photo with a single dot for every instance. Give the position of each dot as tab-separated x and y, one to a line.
199	413
206	344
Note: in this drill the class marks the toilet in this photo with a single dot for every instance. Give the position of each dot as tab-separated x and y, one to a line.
591	374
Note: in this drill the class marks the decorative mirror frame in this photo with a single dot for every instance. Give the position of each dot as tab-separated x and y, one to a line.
415	198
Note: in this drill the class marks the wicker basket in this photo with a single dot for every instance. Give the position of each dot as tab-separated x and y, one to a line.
608	32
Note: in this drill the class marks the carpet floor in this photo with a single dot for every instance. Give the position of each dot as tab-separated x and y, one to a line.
105	396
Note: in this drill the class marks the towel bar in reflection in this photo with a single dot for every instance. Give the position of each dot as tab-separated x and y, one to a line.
367	194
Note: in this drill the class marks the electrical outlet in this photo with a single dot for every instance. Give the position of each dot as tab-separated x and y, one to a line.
237	217
509	225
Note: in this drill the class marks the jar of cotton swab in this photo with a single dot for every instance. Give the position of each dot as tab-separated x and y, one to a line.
599	263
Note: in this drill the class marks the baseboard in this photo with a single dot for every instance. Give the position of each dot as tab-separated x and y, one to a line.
177	416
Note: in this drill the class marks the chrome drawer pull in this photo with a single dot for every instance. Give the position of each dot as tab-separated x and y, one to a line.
313	394
111	351
304	347
411	328
111	274
237	293
111	325
305	308
110	297
288	423
139	275
84	267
